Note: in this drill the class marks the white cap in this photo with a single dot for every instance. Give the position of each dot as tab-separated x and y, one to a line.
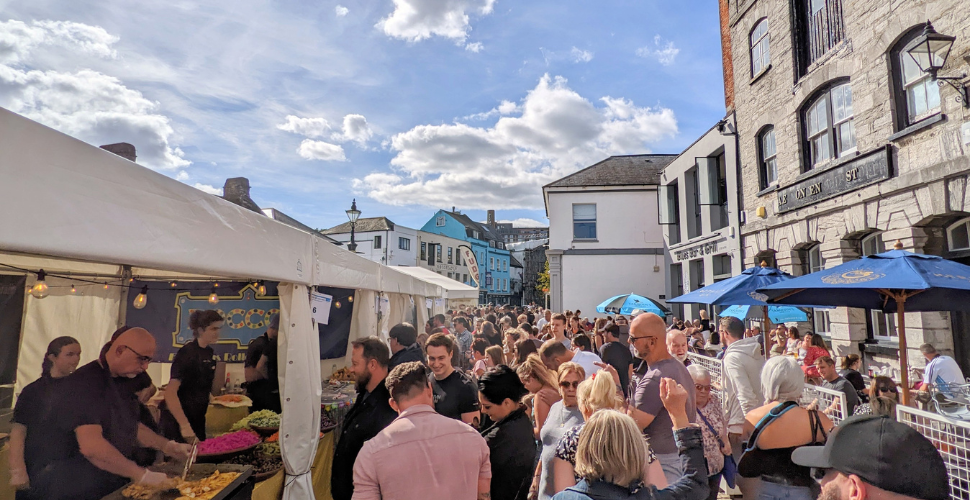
636	312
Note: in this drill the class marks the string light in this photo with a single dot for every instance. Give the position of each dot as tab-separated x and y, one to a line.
105	286
261	288
142	299
350	299
73	290
213	297
40	290
337	305
172	284
215	285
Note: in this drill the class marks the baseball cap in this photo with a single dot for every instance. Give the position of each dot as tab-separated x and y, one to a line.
884	453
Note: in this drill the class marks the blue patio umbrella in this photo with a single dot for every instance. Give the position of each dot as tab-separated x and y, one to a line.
777	314
740	290
627	303
892	282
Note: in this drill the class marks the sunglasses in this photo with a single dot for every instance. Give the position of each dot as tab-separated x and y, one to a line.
887	389
654	339
141	358
565	384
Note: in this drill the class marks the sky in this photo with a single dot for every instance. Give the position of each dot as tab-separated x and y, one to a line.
406	105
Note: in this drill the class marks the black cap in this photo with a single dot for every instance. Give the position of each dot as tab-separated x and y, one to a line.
884	453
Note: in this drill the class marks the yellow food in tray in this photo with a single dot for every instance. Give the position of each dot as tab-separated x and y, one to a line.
343	375
203	489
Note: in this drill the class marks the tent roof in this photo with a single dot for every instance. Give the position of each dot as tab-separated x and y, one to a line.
74	201
453	289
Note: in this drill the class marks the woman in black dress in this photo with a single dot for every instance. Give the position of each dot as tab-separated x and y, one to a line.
30	443
193	374
511	445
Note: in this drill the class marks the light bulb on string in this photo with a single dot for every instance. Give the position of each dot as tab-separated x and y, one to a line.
350	299
142	299
215	285
337	305
172	284
40	290
105	286
261	288
73	290
213	297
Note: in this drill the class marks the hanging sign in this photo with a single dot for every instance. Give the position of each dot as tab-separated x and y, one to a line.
320	304
471	262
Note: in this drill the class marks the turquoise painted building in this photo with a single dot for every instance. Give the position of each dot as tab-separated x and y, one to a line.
493	258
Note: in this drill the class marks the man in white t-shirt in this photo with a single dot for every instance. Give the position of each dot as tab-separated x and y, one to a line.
554	353
558	323
940	369
543	321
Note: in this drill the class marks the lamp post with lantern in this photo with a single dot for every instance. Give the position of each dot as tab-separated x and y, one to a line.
353	214
930	51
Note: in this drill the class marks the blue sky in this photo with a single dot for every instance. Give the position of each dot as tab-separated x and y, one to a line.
407	105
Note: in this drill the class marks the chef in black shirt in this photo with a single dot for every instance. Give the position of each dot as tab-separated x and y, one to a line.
97	419
31	448
262	373
191	383
455	394
370	414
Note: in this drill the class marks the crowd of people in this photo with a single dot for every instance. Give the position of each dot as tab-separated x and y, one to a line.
568	409
511	403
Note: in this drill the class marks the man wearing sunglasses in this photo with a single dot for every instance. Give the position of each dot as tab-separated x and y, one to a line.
648	333
97	423
875	457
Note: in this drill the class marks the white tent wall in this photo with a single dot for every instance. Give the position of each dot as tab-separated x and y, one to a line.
90	316
300	390
421	304
400	309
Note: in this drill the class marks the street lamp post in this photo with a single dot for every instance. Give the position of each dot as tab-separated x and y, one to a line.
930	51
353	214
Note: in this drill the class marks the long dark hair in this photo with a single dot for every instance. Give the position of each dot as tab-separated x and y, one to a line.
201	319
55	348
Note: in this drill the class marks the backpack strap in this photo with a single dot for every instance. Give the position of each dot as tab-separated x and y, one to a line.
769	417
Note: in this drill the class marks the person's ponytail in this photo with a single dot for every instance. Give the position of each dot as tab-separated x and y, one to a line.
598	392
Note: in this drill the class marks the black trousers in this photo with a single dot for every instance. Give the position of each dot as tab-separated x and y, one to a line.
74	479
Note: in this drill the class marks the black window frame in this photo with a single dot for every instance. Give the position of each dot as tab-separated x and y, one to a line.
451	253
831	127
377	242
810	44
763	159
900	98
403	243
424	251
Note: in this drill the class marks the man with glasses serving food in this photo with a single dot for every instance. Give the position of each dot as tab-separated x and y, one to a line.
648	333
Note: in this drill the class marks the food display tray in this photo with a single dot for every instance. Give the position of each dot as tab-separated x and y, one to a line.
198	471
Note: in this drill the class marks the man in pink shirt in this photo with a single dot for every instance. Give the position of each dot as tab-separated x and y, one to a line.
421	454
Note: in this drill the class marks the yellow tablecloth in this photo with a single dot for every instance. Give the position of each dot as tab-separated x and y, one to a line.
272	488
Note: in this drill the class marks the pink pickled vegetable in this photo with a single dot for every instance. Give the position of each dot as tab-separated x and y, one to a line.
228	442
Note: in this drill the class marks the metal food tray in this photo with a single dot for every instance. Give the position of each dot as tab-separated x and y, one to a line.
198	471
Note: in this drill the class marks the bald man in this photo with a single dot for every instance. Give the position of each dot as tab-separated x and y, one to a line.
648	333
98	429
677	345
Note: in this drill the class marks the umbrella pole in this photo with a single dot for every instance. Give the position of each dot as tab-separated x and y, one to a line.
901	330
766	325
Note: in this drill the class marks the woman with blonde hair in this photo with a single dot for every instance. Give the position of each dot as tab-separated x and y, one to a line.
542	384
611	453
596	393
563	415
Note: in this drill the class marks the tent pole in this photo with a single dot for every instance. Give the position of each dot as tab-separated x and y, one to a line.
901	330
767	325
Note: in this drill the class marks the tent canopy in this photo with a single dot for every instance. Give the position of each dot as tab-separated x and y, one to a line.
452	289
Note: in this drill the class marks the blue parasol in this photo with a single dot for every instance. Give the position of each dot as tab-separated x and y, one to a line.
627	303
740	290
777	314
893	282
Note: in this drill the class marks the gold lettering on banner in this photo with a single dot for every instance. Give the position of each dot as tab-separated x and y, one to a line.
852	174
815	188
783	199
800	193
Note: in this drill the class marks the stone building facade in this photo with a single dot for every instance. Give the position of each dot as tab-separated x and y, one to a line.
845	148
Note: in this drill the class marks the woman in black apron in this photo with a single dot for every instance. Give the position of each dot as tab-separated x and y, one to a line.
32	416
193	374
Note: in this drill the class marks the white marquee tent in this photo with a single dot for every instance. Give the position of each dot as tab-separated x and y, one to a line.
77	210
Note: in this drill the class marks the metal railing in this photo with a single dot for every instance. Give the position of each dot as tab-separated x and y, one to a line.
712	365
829	401
951	438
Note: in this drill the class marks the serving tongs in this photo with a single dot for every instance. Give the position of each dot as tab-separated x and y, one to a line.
191	460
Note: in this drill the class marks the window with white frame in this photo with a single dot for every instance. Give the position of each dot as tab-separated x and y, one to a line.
424	250
505	265
584	221
958	236
437	249
404	243
820	316
882	325
917	93
769	157
760	54
829	126
439	221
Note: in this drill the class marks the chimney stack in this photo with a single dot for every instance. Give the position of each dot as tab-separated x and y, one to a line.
491	218
236	190
122	149
727	61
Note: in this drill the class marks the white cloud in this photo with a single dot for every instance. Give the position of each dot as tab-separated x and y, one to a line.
507	107
474	47
182	176
665	53
319	150
579	55
355	129
309	127
208	189
17	39
553	133
341	11
504	108
416	20
87	104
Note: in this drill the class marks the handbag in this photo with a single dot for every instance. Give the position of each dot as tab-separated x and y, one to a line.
730	470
